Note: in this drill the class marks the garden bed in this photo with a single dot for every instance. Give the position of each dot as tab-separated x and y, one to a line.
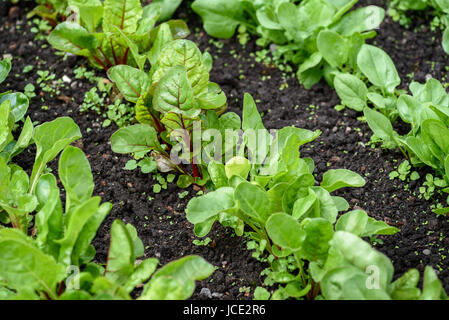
344	143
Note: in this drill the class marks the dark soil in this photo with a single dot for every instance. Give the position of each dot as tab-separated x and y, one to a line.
160	222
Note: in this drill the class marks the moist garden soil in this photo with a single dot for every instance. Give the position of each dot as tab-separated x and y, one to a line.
344	143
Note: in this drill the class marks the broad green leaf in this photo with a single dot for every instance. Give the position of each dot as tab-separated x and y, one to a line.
434	92
50	139
211	204
168	8
214	98
179	276
123	14
311	62
183	53
106	289
141	273
276	194
131	82
378	67
436	136
421	150
120	263
184	181
136	138
139	249
76	176
432	288
150	15
295	289
285	231
237	166
409	109
268	19
261	294
360	20
350	283
174	94
217	173
405	288
351	90
77	219
310	77
326	207
202	229
253	200
75	295
297	189
25	137
377	100
303	205
316	243
71	37
5	68
90	13
340	178
333	48
25	266
361	255
340	203
445	41
380	124
163	36
49	217
18	102
256	137
220	17
89	232
145	113
374	227
354	222
14	196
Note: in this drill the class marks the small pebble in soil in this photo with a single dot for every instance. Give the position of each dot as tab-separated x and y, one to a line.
205	292
14	12
426	252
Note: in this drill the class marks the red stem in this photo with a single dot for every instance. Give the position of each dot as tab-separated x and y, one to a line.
106	58
125	56
157	122
113	53
100	63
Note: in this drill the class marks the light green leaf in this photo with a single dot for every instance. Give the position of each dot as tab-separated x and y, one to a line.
285	231
136	138
351	90
76	176
378	67
179	276
253	200
123	14
209	205
131	82
340	178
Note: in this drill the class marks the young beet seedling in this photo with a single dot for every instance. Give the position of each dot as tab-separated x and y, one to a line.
174	102
114	32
